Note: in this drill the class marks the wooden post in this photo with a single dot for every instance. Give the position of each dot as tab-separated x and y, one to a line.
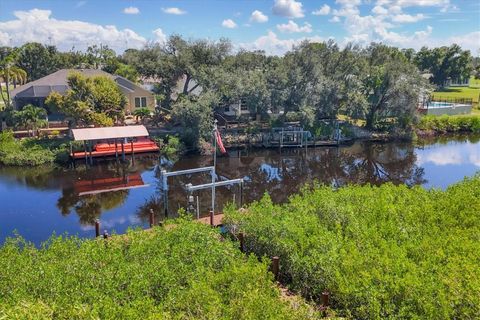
275	267
241	238
212	216
85	150
123	150
116	150
325	299
97	228
152	218
133	152
91	147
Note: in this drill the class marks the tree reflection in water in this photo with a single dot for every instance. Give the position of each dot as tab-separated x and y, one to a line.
282	174
96	182
279	174
90	207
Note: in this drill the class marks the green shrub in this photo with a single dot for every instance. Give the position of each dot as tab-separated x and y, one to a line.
444	123
181	271
32	151
388	252
171	146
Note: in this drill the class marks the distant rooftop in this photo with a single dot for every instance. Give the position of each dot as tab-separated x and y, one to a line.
57	82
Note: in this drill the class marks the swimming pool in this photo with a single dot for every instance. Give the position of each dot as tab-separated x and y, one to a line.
438	104
439	108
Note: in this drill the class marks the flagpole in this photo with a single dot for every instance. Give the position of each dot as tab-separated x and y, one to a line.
214	163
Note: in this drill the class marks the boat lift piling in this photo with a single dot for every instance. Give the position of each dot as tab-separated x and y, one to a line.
166	174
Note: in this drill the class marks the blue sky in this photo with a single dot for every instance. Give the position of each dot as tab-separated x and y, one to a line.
270	25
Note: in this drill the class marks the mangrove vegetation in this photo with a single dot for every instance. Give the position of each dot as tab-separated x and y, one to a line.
383	252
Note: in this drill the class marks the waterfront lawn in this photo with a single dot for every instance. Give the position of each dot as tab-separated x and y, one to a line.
181	271
388	252
458	92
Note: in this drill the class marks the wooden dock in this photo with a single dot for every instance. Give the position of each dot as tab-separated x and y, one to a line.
217	220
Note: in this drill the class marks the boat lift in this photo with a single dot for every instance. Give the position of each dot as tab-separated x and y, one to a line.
191	188
213	185
166	174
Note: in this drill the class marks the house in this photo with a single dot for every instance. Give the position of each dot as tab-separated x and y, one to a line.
35	92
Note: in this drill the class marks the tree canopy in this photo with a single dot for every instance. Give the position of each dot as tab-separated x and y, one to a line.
90	100
444	63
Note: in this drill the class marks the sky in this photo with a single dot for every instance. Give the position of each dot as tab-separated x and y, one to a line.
270	25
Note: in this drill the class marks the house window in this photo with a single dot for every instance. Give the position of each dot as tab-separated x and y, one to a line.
244	107
140	102
226	109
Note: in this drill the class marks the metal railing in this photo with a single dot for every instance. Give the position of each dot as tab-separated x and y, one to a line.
452	100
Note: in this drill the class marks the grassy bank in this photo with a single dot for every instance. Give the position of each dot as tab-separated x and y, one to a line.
181	271
388	252
32	151
441	124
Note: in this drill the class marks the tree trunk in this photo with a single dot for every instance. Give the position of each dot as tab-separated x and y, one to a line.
185	85
7	84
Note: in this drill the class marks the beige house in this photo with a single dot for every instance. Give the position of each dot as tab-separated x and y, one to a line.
35	92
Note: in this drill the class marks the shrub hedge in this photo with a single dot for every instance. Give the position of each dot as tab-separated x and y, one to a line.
32	151
181	271
388	252
446	123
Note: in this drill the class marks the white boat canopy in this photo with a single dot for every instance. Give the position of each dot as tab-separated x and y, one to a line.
87	134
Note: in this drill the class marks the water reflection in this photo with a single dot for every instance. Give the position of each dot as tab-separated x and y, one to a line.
38	201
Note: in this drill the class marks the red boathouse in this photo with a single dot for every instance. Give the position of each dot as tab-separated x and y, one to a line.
109	141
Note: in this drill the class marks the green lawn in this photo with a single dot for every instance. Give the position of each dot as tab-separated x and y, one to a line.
471	92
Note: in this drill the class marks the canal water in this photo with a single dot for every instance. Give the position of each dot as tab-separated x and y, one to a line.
37	202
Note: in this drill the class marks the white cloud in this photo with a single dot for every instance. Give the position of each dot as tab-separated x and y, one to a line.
272	45
131	10
288	8
444	4
335	19
292	27
229	23
323	11
174	10
422	3
38	25
406	18
379	10
469	41
159	35
258	16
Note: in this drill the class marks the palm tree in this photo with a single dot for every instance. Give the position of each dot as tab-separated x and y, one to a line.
10	73
142	113
31	117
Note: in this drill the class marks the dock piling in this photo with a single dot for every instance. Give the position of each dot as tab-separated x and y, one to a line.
241	238
152	218
212	215
275	267
97	228
325	299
